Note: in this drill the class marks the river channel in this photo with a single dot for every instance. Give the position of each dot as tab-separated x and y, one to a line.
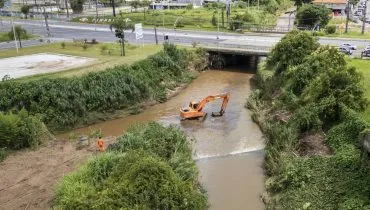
228	149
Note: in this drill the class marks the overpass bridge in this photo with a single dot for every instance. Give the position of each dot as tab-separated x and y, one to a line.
223	55
239	50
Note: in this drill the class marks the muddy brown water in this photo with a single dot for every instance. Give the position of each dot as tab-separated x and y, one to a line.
228	149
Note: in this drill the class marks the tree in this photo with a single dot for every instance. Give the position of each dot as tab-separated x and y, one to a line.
25	9
145	4
335	87
77	5
291	50
300	76
120	25
299	3
20	34
213	20
309	15
2	3
135	4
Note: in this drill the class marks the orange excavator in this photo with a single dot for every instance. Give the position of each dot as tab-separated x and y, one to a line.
195	109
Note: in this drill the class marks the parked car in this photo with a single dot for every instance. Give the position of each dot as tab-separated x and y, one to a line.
346	50
350	46
365	53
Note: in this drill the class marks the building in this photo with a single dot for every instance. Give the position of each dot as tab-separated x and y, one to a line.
337	6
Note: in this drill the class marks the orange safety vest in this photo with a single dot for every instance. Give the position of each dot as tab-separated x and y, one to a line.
101	145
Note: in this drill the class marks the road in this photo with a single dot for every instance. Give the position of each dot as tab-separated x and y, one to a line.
68	31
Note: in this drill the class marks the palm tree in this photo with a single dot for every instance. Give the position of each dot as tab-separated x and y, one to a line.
120	25
20	33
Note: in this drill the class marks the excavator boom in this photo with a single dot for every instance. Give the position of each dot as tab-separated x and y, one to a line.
195	109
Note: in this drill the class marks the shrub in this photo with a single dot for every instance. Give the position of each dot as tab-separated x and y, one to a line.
331	29
3	154
66	102
213	20
85	46
103	49
189	6
77	5
20	130
291	50
150	167
63	45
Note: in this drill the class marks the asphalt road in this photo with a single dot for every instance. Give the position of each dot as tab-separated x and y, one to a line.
68	31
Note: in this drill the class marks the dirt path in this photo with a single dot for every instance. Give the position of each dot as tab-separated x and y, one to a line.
28	178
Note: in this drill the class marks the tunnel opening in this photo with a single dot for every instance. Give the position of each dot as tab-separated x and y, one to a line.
233	61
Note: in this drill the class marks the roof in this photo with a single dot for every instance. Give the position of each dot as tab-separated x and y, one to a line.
330	1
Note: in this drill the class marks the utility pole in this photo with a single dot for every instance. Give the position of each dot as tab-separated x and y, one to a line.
363	20
96	12
46	24
258	5
346	30
15	37
218	18
66	3
114	9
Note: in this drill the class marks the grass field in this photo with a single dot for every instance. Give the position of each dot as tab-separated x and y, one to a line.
200	19
4	37
363	66
354	30
103	59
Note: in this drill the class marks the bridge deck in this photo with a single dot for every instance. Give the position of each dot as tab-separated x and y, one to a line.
241	50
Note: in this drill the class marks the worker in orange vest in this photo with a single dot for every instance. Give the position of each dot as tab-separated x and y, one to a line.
101	144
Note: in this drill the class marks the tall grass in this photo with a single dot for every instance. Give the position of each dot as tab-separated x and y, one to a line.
67	102
150	167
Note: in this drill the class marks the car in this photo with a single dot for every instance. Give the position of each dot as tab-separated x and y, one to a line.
365	53
346	50
347	45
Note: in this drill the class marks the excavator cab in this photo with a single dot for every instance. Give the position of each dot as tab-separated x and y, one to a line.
194	104
195	109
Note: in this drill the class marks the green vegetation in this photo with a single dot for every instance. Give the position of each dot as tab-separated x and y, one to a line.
295	44
20	130
120	25
20	34
330	29
309	15
108	58
150	167
67	102
25	9
363	66
354	30
77	5
350	34
206	18
310	115
4	37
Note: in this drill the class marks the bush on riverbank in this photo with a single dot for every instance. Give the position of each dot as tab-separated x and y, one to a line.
309	115
67	102
20	130
150	167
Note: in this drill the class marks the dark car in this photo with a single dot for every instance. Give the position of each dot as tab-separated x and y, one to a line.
345	50
365	53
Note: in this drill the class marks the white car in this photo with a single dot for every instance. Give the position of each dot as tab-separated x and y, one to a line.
347	45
